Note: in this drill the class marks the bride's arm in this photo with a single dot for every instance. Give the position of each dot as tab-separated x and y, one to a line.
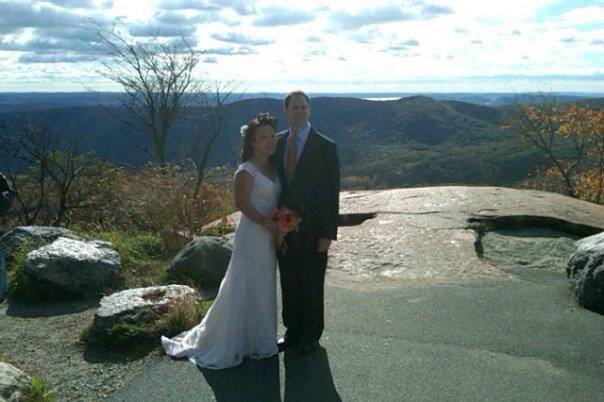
243	190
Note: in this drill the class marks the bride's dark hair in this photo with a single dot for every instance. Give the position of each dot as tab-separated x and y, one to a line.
248	132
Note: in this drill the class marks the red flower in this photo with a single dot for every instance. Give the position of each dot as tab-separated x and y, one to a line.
287	220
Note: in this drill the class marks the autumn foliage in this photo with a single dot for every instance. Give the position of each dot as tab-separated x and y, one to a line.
151	199
555	129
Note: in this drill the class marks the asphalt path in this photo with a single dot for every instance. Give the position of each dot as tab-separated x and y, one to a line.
512	340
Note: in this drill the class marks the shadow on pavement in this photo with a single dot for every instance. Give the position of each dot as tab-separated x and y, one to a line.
252	380
308	378
96	354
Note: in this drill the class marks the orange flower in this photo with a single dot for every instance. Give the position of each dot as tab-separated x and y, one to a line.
287	220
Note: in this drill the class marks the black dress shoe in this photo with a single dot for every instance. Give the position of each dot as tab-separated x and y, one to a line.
308	347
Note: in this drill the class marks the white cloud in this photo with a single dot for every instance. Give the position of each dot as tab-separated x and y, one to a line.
277	16
56	58
243	7
321	44
242	39
90	4
157	29
584	15
343	19
230	51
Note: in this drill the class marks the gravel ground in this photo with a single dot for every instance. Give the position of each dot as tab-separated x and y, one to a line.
43	340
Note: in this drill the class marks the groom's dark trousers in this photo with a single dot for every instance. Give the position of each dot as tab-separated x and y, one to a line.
314	193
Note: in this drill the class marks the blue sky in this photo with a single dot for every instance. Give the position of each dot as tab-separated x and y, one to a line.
321	46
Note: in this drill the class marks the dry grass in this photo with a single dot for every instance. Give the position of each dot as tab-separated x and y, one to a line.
180	316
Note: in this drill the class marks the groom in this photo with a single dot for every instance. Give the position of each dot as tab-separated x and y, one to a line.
310	173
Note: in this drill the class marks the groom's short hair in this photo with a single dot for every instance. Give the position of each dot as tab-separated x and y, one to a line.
296	93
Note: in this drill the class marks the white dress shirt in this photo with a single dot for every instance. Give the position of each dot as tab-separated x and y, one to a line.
301	137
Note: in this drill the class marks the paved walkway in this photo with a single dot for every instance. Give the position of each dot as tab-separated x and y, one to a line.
503	340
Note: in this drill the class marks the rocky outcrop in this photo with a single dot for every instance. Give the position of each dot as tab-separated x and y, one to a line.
83	268
429	234
585	271
14	383
204	261
142	309
35	235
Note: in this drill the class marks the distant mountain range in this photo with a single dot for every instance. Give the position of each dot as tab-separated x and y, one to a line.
412	141
19	101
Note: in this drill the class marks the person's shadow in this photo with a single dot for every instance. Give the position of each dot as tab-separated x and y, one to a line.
308	378
252	380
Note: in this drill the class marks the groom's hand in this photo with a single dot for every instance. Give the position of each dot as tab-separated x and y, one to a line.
323	245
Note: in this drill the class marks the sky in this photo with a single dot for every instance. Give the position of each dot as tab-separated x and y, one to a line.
319	46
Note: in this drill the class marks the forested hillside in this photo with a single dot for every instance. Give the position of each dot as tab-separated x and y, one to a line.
406	142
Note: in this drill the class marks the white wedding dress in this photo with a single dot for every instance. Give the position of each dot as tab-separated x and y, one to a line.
242	321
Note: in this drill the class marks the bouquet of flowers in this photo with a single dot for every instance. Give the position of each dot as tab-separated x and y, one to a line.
287	220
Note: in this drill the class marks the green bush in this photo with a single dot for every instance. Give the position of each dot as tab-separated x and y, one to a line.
143	257
23	286
38	392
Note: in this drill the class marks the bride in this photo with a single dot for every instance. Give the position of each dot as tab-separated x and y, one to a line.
242	321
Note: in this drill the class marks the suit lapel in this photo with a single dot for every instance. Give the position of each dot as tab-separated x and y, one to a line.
280	154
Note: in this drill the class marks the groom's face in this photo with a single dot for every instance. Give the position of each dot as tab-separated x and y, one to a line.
297	111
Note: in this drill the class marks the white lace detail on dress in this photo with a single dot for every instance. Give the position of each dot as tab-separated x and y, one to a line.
243	318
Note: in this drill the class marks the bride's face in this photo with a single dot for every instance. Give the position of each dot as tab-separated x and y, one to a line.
265	141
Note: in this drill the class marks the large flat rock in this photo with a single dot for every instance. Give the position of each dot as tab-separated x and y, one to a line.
422	234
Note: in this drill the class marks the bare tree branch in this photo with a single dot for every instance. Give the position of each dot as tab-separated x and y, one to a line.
217	104
157	78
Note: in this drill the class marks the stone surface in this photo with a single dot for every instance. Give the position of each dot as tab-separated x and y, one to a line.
422	234
37	235
585	271
85	268
14	383
204	260
141	305
530	248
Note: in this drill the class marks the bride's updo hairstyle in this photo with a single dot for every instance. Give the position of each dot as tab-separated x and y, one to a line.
249	130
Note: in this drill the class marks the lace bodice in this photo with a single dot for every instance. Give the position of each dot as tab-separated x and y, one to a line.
265	192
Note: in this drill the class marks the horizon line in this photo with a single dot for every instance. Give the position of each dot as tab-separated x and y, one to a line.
330	92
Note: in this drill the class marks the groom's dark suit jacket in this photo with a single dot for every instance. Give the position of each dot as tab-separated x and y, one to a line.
314	191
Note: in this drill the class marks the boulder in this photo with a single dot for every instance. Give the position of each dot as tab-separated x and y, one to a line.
141	307
36	235
204	260
585	271
80	267
14	383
